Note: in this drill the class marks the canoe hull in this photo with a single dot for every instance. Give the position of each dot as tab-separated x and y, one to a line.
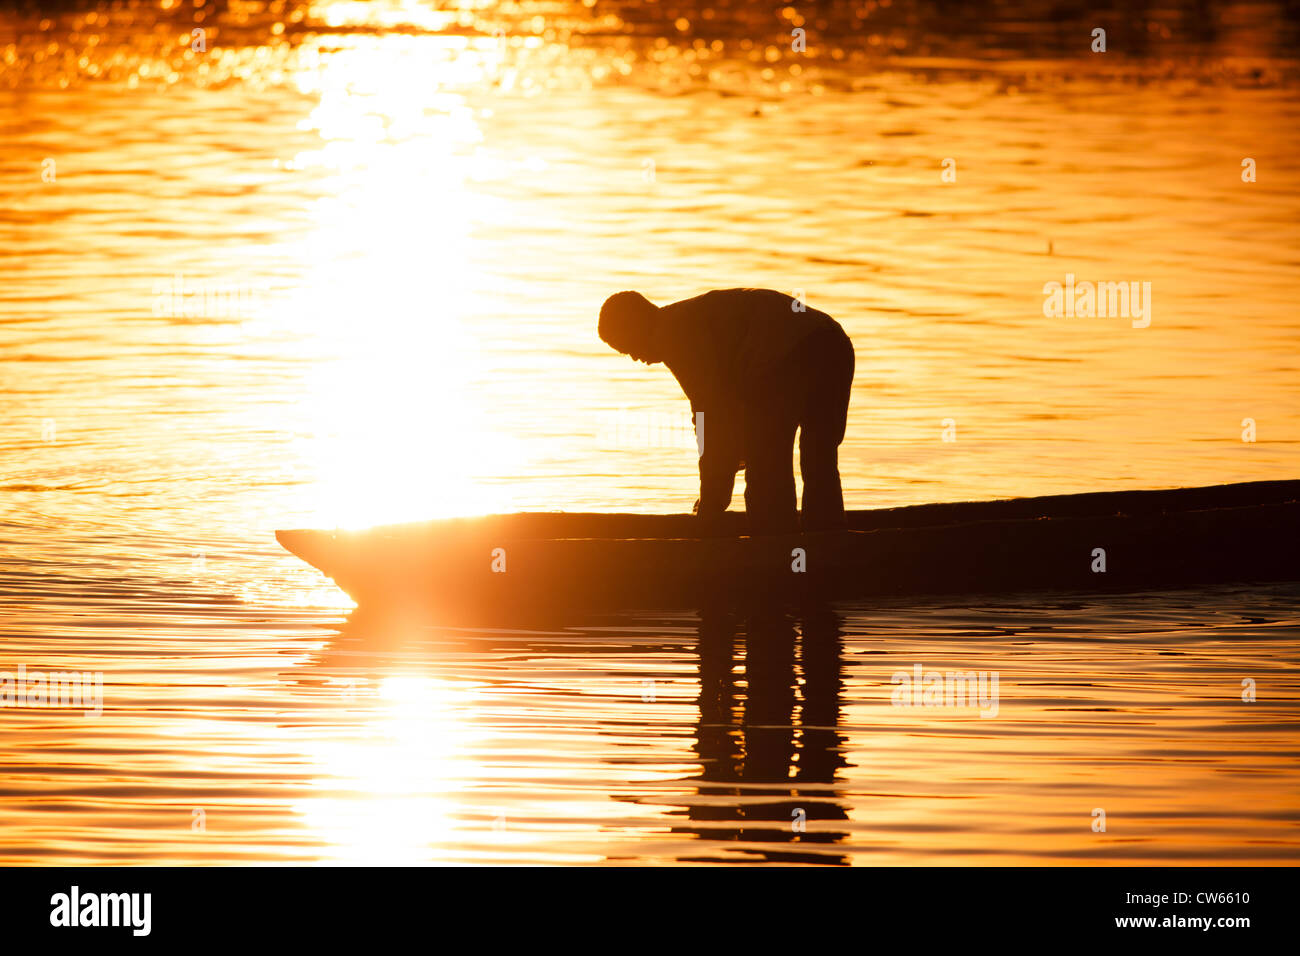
1158	539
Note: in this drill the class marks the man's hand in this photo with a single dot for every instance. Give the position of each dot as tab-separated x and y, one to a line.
709	524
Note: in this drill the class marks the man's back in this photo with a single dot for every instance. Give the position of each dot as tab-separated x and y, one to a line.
720	343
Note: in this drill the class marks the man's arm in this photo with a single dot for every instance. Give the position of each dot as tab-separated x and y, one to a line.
716	438
699	345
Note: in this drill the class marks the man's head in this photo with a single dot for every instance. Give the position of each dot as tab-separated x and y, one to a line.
628	323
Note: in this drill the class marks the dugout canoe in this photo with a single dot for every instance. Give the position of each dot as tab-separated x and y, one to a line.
1177	538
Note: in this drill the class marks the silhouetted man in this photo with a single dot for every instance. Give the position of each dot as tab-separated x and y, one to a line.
758	365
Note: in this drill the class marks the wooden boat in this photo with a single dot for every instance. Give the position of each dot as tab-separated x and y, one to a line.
1127	540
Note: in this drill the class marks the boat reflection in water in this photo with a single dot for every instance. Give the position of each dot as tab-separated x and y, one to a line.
751	698
769	742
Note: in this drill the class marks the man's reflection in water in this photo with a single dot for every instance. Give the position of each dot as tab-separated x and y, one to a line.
768	739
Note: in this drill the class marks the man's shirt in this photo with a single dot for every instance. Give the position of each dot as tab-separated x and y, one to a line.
721	344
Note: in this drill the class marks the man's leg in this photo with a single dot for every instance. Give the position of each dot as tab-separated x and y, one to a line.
770	500
828	363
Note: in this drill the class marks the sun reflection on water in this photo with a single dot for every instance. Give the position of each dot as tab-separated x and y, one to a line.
394	301
389	797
